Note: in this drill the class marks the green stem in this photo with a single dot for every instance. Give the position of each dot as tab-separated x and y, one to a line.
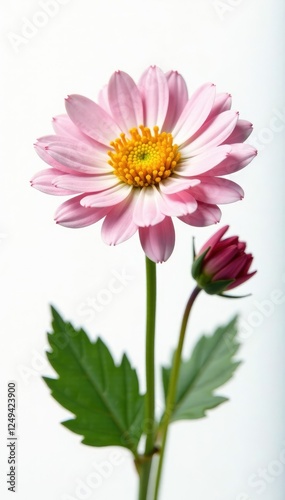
145	466
170	401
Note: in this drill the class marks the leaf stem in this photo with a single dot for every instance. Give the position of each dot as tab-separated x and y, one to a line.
170	400
150	378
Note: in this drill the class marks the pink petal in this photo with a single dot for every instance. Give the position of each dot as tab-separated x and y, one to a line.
214	240
45	156
241	245
226	242
43	181
155	96
216	264
49	139
158	241
175	183
92	119
103	99
72	214
78	156
240	133
239	281
47	143
84	183
214	133
197	165
178	97
125	101
239	157
148	208
248	263
107	198
195	113
205	215
64	127
118	225
222	103
231	269
214	190
181	203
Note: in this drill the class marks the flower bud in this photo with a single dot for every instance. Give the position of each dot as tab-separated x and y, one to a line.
221	264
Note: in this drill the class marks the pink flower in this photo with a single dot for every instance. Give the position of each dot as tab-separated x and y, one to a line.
222	264
144	154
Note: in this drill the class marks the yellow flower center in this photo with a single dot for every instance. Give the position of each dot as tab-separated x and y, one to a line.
144	159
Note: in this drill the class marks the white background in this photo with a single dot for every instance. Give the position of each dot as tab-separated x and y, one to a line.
237	452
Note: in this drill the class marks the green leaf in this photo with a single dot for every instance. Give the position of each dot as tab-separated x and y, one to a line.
210	366
103	397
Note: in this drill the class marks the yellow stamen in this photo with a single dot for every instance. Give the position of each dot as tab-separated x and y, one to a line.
144	159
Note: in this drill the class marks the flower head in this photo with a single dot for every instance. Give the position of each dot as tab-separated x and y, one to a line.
144	154
222	264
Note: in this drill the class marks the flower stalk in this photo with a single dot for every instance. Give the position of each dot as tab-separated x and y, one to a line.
170	400
150	425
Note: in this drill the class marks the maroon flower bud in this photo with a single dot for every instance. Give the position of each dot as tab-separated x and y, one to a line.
222	264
